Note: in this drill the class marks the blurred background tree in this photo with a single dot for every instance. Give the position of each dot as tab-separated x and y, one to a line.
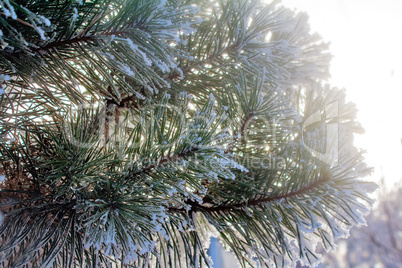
379	244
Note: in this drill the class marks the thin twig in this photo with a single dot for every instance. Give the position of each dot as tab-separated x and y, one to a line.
148	169
241	132
254	202
21	21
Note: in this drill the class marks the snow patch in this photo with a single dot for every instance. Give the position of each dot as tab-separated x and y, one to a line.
9	11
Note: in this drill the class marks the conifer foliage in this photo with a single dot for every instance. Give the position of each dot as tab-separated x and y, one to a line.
133	130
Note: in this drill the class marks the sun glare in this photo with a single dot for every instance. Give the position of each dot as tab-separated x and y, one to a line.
367	60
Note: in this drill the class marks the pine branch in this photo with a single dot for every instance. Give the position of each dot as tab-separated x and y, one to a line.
64	43
76	40
163	161
128	54
207	60
255	202
241	132
176	75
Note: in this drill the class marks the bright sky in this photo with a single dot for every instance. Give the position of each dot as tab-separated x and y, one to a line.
366	42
